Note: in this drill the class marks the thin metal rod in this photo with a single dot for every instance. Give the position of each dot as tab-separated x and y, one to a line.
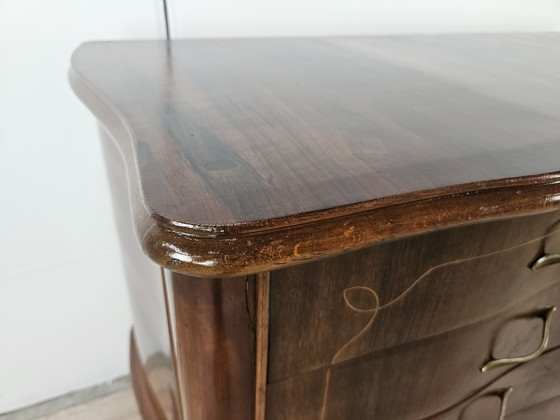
166	17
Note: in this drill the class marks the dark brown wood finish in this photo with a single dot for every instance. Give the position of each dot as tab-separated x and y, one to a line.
213	327
416	176
421	378
253	154
262	316
193	353
396	343
422	286
535	385
547	410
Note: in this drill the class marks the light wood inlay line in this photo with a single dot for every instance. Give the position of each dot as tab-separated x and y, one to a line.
261	338
374	311
337	358
408	174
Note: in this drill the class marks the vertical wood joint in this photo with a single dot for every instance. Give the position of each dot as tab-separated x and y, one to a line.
262	294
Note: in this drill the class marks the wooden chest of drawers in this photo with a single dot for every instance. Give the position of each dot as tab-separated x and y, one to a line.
406	327
342	228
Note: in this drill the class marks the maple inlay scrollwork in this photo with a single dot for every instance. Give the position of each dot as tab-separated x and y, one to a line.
375	308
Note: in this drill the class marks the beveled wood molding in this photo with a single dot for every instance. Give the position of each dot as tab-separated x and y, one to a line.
216	251
274	249
200	253
258	245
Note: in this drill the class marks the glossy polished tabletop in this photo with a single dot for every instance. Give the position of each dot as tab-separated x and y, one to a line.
235	131
248	135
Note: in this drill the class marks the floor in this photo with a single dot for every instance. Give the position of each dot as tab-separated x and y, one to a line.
118	406
112	400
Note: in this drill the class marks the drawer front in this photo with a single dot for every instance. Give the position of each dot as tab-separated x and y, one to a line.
394	293
547	410
416	379
524	389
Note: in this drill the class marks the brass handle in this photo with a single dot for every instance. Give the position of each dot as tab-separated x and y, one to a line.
546	259
494	363
504	395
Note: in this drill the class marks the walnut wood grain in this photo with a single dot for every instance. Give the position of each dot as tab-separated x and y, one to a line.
416	379
249	155
425	167
547	410
261	304
214	338
534	385
202	331
414	288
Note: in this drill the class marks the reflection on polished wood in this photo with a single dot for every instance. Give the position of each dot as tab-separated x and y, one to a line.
214	339
534	386
323	145
149	401
338	228
419	340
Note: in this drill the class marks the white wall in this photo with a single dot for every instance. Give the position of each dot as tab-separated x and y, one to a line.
223	18
64	317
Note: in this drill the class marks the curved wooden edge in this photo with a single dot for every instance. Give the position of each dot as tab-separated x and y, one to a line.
145	396
223	230
270	250
235	250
